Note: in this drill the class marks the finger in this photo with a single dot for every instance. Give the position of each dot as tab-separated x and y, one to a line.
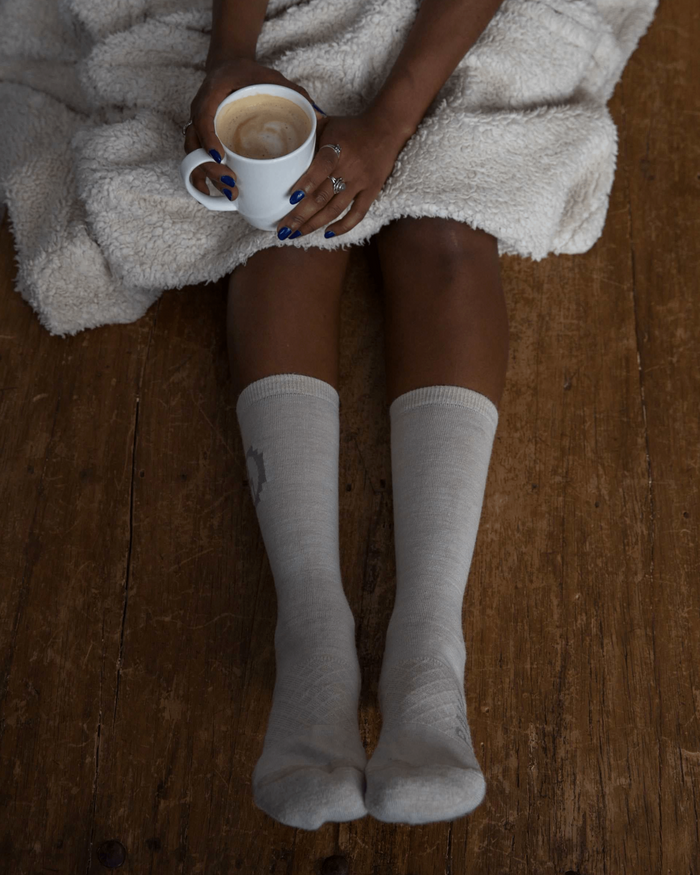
191	139
304	93
335	207
321	122
321	116
354	216
323	165
306	210
219	174
203	125
227	186
214	171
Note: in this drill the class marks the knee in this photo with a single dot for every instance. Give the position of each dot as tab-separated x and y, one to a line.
442	249
426	258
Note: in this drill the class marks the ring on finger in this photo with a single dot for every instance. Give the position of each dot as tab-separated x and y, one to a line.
184	129
338	184
334	146
311	222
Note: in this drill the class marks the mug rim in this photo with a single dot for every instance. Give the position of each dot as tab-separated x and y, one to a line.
239	93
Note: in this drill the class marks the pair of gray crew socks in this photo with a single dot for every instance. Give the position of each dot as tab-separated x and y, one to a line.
313	766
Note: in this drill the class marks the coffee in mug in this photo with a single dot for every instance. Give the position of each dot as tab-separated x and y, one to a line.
263	126
268	133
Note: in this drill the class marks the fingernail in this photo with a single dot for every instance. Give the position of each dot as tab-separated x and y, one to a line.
297	233
329	234
296	197
215	155
284	233
318	108
227	193
229	180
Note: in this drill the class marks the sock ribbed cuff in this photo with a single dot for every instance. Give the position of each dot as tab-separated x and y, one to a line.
445	395
285	384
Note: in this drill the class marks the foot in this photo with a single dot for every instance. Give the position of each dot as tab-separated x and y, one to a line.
423	769
312	766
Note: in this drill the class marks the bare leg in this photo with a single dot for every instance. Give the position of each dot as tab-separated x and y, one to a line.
284	314
445	314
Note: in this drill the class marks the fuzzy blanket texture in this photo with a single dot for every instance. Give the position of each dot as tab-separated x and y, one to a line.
93	95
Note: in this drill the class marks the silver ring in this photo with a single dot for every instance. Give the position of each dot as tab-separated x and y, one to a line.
184	130
336	149
338	184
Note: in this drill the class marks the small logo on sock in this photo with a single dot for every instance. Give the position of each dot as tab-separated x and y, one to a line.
256	473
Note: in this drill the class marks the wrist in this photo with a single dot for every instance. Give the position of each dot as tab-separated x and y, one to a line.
220	56
394	109
235	28
389	123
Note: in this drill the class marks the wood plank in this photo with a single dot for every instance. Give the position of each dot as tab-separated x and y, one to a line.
66	440
660	138
200	616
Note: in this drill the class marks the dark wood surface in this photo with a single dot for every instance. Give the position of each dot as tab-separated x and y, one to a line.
137	607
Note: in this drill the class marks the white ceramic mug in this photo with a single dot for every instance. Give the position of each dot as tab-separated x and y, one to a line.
264	186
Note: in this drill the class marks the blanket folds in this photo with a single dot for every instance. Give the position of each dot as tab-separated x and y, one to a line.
93	95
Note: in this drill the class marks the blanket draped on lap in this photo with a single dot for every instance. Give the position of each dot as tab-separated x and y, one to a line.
93	95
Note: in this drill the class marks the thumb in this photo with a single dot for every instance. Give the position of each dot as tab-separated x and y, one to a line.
204	128
321	122
304	93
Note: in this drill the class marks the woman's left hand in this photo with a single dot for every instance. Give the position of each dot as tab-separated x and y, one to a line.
369	148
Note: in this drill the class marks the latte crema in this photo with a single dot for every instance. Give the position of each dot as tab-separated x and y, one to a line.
262	126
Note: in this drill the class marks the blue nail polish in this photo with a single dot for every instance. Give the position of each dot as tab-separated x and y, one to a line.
329	234
318	108
229	180
297	233
227	193
296	197
215	155
284	233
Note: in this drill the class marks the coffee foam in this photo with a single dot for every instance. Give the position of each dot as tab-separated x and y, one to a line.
263	126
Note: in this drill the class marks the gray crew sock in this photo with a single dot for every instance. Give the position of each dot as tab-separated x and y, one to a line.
312	765
424	768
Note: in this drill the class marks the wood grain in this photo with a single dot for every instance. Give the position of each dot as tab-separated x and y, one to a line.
137	607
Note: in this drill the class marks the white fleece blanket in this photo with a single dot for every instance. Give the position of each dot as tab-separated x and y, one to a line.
93	94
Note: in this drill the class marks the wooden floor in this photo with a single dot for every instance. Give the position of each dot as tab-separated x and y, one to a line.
137	607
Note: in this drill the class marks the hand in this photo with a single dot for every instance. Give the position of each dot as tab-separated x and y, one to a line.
222	80
369	148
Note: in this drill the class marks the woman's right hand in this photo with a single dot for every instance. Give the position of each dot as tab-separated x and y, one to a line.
221	80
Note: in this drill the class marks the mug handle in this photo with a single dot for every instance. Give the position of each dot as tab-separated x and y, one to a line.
189	162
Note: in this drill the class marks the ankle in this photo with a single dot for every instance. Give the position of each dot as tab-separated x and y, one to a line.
307	636
426	640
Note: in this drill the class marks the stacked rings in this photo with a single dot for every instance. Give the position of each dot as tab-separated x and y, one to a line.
338	184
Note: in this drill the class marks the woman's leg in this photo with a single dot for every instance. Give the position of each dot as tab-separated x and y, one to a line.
283	327
284	314
445	315
447	352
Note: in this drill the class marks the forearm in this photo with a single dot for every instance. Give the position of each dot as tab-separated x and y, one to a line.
442	34
235	28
